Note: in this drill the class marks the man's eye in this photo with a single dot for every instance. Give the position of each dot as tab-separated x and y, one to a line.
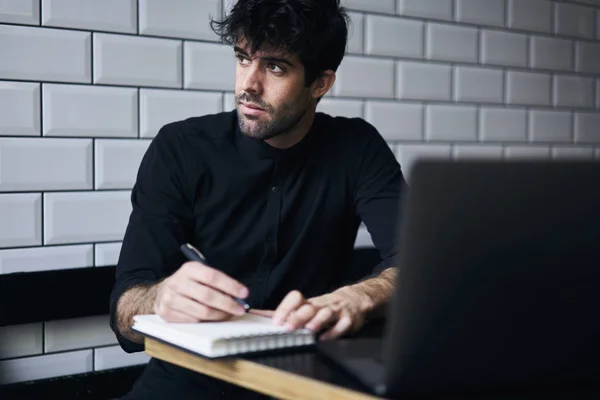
242	59
275	68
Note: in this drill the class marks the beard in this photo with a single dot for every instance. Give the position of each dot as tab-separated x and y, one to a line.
281	120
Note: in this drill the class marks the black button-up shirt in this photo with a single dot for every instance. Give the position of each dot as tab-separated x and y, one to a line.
274	219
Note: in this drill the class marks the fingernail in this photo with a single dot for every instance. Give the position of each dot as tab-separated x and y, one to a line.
289	326
243	292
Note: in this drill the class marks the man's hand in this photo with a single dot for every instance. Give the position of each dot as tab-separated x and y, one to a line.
338	313
196	292
342	311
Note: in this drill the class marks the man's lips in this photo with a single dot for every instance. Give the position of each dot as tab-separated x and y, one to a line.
251	109
252	106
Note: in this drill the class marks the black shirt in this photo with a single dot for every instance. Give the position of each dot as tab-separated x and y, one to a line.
276	220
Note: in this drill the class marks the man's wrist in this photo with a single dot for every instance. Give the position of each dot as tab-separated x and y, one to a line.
360	299
374	294
138	299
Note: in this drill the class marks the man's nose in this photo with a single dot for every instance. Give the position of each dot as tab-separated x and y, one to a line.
252	79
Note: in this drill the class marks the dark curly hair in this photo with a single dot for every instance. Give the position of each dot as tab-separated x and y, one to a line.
315	30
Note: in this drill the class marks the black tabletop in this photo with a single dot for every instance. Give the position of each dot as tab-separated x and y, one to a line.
307	362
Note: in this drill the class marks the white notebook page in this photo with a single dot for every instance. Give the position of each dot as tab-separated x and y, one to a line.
247	324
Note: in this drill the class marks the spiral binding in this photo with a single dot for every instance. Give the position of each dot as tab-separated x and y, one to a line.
261	342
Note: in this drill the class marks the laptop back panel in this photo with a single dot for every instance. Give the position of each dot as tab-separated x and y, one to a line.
499	277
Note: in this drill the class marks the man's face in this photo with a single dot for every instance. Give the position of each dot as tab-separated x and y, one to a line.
269	91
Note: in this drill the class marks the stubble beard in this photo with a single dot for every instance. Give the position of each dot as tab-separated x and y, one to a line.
280	121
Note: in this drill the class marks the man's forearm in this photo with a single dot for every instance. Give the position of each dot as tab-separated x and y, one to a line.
136	300
376	292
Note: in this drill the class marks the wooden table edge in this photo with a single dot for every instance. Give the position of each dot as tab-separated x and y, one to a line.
253	376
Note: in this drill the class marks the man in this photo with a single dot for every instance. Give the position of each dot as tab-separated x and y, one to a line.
272	194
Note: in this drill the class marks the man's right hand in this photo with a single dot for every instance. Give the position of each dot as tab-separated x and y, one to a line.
196	292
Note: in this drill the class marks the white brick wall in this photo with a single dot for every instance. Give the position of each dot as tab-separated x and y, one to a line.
530	15
20	108
86	84
107	15
95	111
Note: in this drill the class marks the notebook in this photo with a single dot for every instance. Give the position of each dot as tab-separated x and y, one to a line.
240	335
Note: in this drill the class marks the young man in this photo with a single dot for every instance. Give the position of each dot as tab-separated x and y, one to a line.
271	193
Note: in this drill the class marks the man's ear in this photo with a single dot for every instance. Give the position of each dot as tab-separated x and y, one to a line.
323	83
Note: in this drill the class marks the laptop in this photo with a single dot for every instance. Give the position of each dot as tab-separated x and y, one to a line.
498	286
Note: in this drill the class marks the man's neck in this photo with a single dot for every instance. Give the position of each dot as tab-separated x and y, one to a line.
294	135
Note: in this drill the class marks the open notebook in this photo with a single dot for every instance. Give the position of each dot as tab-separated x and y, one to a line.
246	334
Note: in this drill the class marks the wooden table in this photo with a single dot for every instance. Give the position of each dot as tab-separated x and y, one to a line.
301	374
304	374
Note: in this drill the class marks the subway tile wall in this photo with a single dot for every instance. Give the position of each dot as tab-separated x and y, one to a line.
86	84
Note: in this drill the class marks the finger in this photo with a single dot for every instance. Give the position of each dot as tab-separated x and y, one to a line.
301	316
170	300
322	319
200	312
214	278
341	327
320	301
175	316
291	302
209	297
262	313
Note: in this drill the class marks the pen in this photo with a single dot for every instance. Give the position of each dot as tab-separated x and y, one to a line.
193	254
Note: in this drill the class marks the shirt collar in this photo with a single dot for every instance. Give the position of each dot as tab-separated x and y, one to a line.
256	148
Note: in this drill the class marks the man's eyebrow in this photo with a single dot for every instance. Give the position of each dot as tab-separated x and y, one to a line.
238	49
281	60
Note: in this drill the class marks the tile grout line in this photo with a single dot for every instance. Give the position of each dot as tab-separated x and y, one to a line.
504	102
92	57
527	126
529	50
479	48
425	35
60	245
477	119
407	17
363	46
395	91
572	116
424	124
361	56
42	193
574	56
553	94
553	7
139	114
182	67
454	15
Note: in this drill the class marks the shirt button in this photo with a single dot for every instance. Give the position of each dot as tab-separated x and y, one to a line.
274	189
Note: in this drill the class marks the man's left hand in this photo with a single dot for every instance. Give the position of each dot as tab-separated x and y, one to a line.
340	312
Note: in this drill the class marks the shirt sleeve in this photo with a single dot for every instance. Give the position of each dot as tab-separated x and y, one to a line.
379	191
158	224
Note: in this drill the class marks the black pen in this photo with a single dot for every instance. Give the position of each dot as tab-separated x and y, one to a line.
193	254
